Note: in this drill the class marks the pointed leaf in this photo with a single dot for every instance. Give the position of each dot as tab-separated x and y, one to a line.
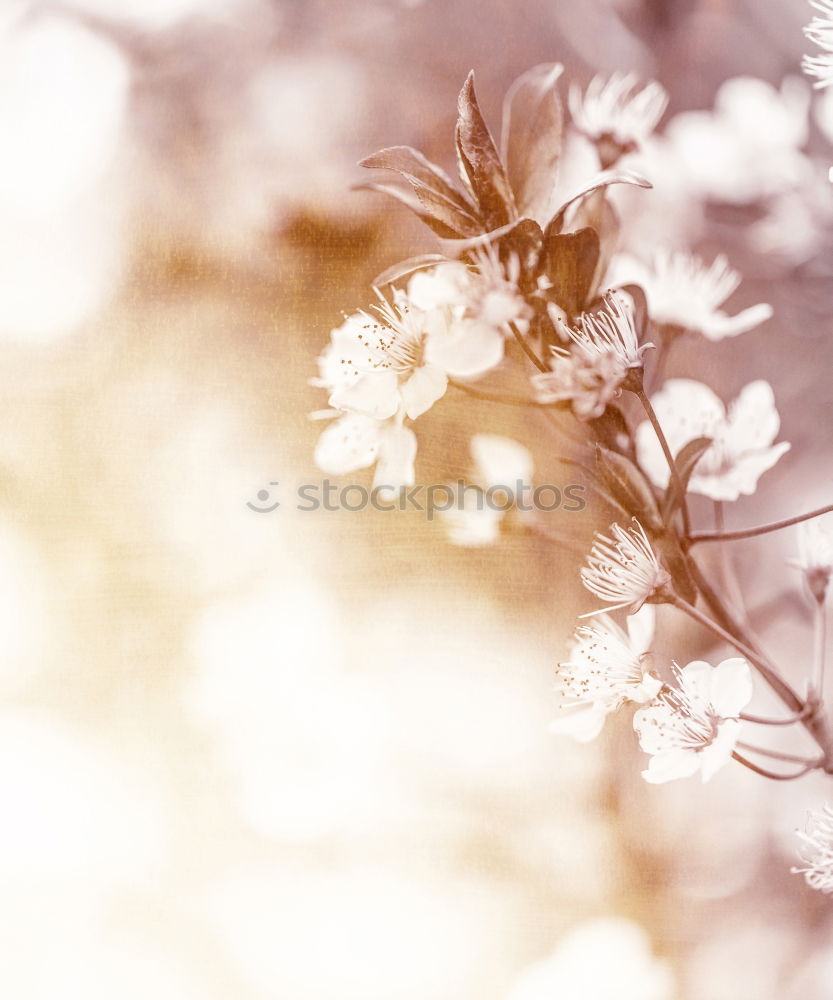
597	213
685	460
410	200
533	120
480	163
406	267
570	261
602	180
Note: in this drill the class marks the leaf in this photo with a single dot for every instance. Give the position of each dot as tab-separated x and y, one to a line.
459	246
531	136
597	213
667	546
523	240
570	261
686	460
480	163
612	430
410	200
602	180
406	267
629	487
437	195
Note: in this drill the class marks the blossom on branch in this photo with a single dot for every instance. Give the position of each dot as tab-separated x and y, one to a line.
817	850
623	571
615	114
815	554
742	436
355	441
820	31
683	292
694	725
607	668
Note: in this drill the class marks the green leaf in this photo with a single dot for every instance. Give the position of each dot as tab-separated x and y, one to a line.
686	460
627	484
531	138
480	164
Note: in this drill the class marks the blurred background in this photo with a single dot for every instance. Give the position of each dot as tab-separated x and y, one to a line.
305	756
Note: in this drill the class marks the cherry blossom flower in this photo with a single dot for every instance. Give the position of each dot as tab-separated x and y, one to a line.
815	554
749	147
820	31
607	667
694	725
377	365
623	571
743	436
683	292
613	113
817	850
355	441
611	330
500	463
473	309
587	383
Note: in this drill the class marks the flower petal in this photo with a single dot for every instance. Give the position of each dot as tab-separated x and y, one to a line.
731	687
718	325
501	461
640	628
374	395
583	724
348	444
670	765
465	348
426	385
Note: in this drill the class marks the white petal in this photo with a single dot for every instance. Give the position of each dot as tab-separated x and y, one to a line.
583	724
742	479
718	325
426	385
374	395
649	723
731	686
670	765
465	349
471	527
348	444
696	680
641	629
438	287
395	465
500	461
753	419
719	752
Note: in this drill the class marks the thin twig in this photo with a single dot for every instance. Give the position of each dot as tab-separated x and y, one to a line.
780	755
771	774
761	529
669	458
533	357
759	720
820	643
492	398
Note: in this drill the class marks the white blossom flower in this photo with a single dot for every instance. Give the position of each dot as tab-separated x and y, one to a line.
817	850
682	291
749	147
355	441
743	436
623	571
587	383
377	365
607	334
607	667
500	464
476	305
815	554
615	110
820	31
694	725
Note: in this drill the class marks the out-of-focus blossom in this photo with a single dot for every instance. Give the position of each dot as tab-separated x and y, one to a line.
607	667
742	436
749	147
820	31
615	115
598	960
623	571
63	102
158	15
502	469
355	441
694	725
815	554
684	292
817	850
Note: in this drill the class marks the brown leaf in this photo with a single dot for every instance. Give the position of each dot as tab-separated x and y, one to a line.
480	163
602	180
570	261
531	139
411	201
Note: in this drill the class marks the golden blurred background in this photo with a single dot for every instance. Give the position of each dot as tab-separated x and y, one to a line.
305	756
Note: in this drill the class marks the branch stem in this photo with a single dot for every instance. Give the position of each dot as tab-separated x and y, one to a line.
761	529
669	458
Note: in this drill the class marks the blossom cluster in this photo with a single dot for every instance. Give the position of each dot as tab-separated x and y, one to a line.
536	277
